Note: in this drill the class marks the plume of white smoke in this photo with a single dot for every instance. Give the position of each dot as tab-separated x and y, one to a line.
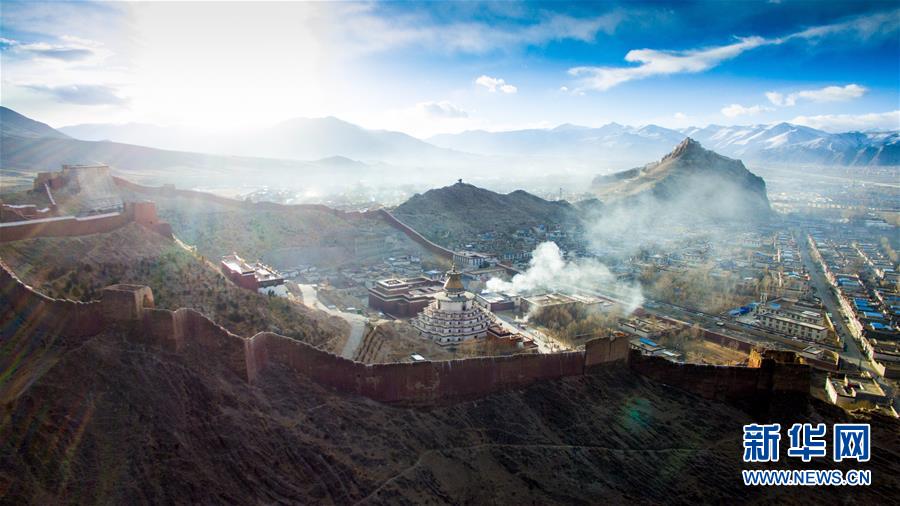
549	271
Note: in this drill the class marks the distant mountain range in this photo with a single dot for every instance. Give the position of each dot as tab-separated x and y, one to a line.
311	139
27	146
781	143
787	143
295	139
331	151
609	142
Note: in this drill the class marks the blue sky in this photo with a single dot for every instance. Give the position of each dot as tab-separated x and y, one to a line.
426	68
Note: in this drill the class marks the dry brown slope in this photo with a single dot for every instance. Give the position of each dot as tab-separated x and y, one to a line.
288	235
114	422
79	267
461	211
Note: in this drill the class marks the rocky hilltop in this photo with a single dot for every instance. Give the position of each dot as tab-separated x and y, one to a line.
689	182
463	210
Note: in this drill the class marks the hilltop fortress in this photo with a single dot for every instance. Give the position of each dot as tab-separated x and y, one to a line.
88	194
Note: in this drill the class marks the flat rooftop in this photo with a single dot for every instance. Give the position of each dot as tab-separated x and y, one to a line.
397	283
492	298
262	272
850	385
795	322
549	299
237	264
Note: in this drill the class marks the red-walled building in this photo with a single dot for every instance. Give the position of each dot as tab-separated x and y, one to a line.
403	297
256	277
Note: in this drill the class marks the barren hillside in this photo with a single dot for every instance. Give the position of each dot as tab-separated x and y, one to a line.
114	422
461	211
282	235
78	267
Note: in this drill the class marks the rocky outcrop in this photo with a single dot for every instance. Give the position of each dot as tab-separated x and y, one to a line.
689	182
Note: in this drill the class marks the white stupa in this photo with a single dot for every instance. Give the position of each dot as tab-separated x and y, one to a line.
453	316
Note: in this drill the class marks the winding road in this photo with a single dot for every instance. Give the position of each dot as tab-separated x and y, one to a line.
357	322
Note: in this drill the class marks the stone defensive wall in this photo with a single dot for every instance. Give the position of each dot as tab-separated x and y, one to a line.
415	236
143	213
74	319
764	376
129	309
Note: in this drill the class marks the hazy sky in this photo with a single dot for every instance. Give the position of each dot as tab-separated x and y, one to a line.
425	68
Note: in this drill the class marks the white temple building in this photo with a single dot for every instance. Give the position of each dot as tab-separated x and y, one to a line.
453	316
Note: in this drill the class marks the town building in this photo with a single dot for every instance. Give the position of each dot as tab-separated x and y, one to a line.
506	341
546	300
535	302
403	297
256	277
651	348
494	302
794	318
453	316
473	260
820	358
855	391
486	273
885	356
647	327
792	327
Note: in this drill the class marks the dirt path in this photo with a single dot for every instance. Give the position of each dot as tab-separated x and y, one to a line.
357	322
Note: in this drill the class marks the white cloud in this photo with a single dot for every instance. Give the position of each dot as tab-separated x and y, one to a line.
735	110
889	120
826	94
494	84
653	62
364	29
776	98
679	115
84	94
442	109
864	27
74	49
